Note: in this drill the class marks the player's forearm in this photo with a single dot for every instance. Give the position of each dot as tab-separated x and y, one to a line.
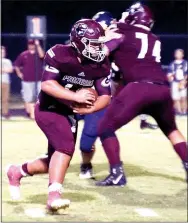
40	51
54	89
18	72
113	44
102	102
170	77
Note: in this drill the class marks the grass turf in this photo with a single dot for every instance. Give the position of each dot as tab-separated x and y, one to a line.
155	178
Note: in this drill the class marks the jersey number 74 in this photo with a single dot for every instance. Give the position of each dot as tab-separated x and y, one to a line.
144	47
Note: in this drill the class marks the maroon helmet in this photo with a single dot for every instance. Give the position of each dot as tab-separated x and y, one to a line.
87	36
138	14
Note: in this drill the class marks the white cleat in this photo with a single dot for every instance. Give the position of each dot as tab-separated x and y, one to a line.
60	204
55	203
86	175
15	193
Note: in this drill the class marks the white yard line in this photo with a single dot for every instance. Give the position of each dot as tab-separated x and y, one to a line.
35	212
146	212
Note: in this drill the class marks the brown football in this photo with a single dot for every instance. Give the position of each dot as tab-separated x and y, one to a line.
83	105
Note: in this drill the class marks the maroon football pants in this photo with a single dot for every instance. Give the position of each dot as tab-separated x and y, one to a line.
60	130
140	98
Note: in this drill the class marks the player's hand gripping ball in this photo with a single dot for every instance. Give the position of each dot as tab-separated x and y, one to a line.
84	105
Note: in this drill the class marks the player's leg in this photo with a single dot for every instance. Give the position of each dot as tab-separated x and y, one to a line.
123	108
164	115
60	131
16	172
5	88
176	97
32	88
28	89
184	101
40	165
88	138
146	125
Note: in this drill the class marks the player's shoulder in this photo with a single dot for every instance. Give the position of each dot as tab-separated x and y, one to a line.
60	51
6	60
123	27
60	54
24	53
155	36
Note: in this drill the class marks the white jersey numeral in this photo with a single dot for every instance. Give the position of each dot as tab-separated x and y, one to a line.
144	44
144	47
157	51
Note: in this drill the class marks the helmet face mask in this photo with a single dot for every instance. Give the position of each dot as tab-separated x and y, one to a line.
86	37
94	49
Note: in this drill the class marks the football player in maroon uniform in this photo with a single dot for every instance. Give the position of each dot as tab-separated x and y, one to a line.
83	64
136	51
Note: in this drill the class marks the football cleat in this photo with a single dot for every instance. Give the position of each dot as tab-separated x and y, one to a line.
146	125
86	171
55	203
115	178
14	176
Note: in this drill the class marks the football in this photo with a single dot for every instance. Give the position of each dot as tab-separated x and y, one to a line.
83	105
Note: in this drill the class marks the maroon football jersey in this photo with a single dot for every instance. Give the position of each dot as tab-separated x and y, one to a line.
138	56
63	66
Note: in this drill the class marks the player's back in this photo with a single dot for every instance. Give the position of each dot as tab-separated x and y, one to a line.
138	57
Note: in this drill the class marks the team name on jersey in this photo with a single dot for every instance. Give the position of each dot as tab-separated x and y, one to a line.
77	80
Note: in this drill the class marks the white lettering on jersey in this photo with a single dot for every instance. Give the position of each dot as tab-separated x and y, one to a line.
68	86
78	80
51	69
51	53
81	74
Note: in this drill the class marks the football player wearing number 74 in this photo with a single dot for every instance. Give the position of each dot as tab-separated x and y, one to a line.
137	54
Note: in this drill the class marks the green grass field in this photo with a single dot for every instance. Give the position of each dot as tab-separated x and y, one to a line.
155	179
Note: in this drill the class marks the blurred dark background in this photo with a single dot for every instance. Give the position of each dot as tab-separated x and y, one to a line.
170	16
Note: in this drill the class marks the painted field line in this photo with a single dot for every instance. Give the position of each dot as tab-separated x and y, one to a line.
146	212
35	212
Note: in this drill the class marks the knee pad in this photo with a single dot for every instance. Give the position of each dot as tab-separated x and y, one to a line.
86	143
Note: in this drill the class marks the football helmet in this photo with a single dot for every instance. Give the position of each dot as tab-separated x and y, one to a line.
105	19
138	14
88	37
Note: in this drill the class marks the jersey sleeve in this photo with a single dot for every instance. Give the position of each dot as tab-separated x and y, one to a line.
19	61
102	85
52	66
